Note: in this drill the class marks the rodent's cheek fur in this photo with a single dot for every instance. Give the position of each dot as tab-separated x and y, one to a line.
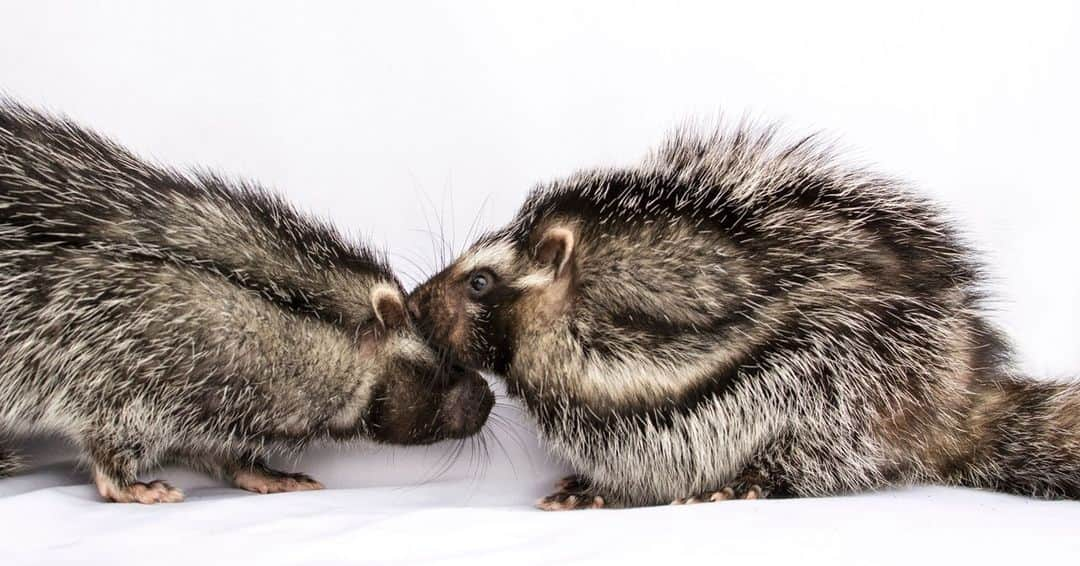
494	329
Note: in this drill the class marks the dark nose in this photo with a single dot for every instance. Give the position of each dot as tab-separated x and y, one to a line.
468	404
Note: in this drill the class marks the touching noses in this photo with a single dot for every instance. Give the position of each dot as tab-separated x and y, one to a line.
414	303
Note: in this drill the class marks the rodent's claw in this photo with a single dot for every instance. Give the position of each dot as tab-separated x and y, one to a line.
572	492
736	491
568	502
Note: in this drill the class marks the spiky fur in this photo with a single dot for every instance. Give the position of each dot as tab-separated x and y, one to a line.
740	313
152	315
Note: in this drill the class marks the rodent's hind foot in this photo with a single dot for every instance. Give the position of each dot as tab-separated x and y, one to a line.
266	480
156	491
572	492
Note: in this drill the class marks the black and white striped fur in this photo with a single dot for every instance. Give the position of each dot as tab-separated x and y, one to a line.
151	315
742	317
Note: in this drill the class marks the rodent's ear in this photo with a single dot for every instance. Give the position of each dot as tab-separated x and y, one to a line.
556	247
389	307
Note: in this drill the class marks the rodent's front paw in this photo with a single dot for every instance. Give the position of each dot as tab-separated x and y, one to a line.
751	484
156	491
738	491
573	492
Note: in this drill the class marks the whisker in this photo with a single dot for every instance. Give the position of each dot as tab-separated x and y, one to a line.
453	217
506	454
508	427
439	258
473	225
413	261
445	463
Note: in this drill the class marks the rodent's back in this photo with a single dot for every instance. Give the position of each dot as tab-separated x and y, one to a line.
115	276
714	236
65	187
765	194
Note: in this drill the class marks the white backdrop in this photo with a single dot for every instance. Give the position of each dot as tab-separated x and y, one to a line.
395	118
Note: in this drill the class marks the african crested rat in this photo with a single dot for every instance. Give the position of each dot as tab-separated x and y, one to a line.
151	315
738	317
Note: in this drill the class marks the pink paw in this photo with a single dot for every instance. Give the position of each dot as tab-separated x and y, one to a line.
275	482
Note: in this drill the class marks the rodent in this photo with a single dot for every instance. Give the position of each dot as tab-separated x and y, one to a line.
152	315
739	316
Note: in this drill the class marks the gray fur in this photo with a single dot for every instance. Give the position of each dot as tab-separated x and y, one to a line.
742	317
151	315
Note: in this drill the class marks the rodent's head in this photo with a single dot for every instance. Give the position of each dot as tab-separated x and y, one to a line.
418	397
572	302
497	293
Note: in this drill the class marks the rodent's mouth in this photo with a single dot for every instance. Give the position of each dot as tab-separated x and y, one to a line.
467	405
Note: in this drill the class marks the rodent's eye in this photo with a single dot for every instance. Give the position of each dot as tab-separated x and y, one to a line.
480	282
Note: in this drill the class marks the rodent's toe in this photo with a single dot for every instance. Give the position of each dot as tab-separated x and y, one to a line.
725	494
721	496
563	501
274	482
305	482
302	483
156	491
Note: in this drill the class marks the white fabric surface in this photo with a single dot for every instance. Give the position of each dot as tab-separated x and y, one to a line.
376	510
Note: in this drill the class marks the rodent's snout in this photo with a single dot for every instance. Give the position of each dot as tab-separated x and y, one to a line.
413	304
467	404
435	315
468	400
417	302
